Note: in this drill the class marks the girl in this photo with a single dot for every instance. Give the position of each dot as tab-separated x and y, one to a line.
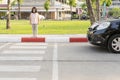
34	21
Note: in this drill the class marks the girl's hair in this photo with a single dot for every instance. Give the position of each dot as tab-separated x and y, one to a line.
33	9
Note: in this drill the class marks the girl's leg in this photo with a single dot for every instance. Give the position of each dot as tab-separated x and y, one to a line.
33	29
36	30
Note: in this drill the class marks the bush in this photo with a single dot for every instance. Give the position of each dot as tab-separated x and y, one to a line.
115	13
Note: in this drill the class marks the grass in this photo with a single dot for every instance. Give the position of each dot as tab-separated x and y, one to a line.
45	27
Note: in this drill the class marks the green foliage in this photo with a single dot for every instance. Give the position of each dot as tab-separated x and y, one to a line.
93	0
16	1
94	3
21	1
115	12
72	3
83	6
13	3
0	1
47	5
108	2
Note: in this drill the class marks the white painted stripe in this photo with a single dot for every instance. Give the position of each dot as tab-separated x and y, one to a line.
20	58
31	44
55	63
4	45
22	52
7	68
10	39
28	47
57	39
18	79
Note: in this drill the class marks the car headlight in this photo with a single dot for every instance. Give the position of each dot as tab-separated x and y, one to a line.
94	25
103	25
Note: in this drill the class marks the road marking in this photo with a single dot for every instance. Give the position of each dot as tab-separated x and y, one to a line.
31	44
23	52
20	58
10	39
4	45
55	63
7	68
18	79
28	47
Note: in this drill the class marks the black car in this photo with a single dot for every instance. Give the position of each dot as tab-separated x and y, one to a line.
84	17
105	34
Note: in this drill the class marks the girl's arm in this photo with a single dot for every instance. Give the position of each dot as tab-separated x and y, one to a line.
30	18
38	18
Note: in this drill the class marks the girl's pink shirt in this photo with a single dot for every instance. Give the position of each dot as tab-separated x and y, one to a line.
34	18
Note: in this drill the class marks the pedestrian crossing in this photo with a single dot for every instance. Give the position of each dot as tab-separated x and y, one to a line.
21	52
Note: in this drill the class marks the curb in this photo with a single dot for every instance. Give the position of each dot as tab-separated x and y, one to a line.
78	40
25	39
55	39
44	39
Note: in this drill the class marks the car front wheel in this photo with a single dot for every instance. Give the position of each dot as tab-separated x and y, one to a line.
114	44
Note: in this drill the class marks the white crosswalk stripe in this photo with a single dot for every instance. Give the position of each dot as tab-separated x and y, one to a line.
4	45
7	68
18	79
31	44
21	52
28	47
20	58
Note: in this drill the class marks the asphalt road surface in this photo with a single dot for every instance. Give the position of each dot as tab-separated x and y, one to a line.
57	61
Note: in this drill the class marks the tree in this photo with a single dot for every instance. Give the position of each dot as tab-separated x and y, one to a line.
19	2
8	15
90	11
19	8
96	5
98	9
106	3
72	3
19	13
46	7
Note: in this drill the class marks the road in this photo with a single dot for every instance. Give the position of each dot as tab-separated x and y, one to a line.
57	61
